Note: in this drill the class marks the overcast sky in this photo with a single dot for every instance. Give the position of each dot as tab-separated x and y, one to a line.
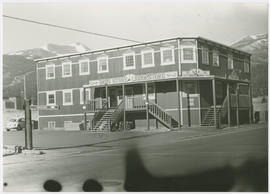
138	20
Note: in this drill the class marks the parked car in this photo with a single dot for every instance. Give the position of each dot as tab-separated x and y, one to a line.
17	124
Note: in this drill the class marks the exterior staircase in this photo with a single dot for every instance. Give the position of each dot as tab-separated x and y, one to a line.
167	120
109	118
208	119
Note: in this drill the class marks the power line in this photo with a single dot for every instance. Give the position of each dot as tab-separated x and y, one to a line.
71	29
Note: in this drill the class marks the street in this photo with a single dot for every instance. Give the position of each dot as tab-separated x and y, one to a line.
162	154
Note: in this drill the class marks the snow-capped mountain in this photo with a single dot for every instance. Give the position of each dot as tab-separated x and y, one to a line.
16	64
50	50
257	46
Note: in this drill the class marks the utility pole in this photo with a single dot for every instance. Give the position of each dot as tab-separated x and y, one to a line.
28	125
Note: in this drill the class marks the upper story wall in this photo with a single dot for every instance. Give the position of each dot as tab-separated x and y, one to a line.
116	60
231	63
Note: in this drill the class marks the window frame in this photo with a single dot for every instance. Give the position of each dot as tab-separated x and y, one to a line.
230	66
51	123
246	66
148	51
71	97
107	64
80	66
193	52
81	95
217	53
65	63
125	67
207	52
47	98
165	48
48	66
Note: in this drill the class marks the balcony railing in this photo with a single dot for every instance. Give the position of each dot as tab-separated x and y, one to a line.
95	105
135	103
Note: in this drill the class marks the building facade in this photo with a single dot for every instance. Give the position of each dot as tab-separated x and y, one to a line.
169	83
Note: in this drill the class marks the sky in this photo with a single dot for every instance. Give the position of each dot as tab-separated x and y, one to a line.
144	21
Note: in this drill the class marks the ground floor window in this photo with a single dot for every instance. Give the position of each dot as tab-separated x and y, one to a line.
51	124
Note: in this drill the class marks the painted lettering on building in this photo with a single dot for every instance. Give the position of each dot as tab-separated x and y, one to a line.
134	78
195	72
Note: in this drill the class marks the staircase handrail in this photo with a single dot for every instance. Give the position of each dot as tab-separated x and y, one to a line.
100	113
161	113
116	112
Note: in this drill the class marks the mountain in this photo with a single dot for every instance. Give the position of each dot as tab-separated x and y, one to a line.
17	64
51	50
257	46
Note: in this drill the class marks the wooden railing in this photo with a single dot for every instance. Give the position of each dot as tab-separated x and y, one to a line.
98	115
135	102
95	105
116	115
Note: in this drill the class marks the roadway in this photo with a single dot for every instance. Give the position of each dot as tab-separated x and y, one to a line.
163	155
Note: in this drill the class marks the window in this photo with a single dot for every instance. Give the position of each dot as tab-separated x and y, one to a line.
205	56
51	124
129	61
51	100
188	54
246	66
167	55
67	97
84	66
230	62
148	58
103	64
66	69
50	71
215	58
88	95
243	89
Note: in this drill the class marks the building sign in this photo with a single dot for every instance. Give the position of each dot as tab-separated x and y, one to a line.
195	72
134	78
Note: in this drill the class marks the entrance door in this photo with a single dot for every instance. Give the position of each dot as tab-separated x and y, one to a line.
113	97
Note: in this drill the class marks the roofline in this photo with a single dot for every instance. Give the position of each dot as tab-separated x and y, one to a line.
223	45
135	45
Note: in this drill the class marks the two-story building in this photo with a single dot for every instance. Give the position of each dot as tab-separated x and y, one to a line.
173	83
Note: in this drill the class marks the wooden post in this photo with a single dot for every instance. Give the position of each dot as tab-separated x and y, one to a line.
237	105
250	107
107	101
178	104
85	109
188	109
229	103
28	125
124	101
214	101
147	106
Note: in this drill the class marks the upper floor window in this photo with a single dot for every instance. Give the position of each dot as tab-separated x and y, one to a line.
51	99
103	64
67	97
66	69
188	54
167	55
205	56
215	58
246	66
50	71
148	58
129	60
87	95
84	66
230	62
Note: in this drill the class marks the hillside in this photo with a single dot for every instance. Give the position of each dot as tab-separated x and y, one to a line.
17	64
257	45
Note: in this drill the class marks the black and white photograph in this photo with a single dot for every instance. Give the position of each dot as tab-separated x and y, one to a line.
134	96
